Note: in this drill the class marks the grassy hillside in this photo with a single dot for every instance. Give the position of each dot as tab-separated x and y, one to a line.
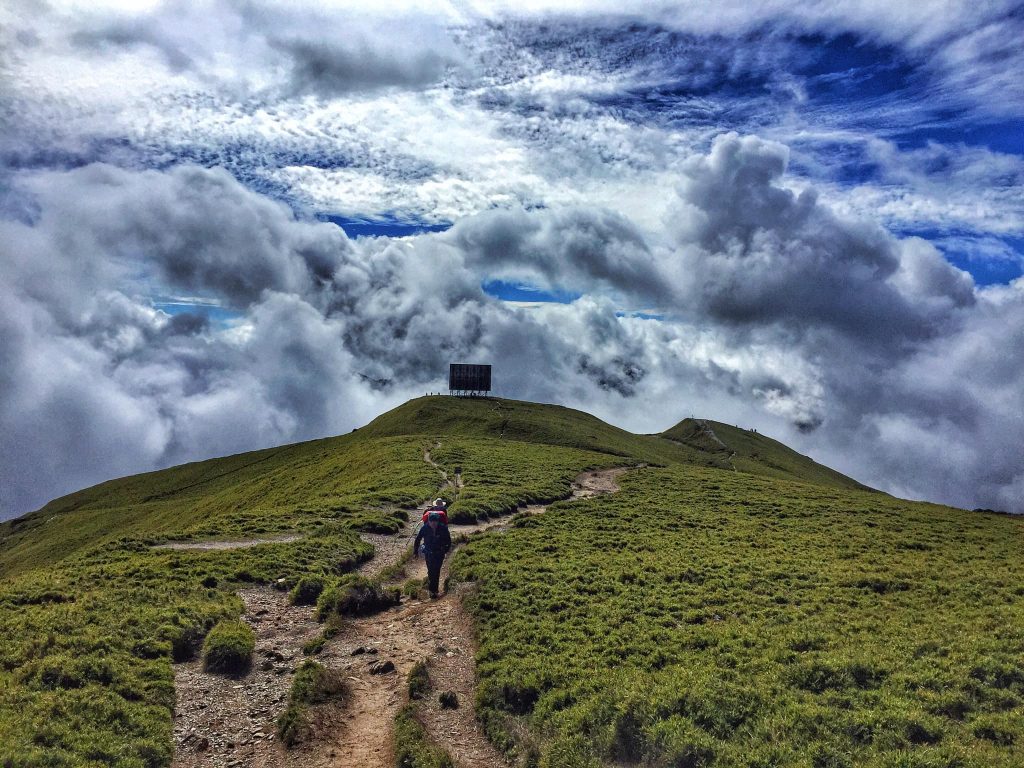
293	488
298	487
748	451
710	618
735	604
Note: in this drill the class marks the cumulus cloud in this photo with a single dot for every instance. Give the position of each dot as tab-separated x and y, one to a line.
773	311
759	253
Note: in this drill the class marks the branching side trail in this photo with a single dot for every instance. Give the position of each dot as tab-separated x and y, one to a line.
230	722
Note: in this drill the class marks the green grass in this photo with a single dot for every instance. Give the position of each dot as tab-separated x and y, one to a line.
307	589
355	596
412	747
707	617
291	489
500	476
520	422
419	681
86	648
313	684
755	453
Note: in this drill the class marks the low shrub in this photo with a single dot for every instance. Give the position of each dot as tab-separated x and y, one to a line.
314	646
185	641
228	648
313	684
419	681
307	590
355	596
462	517
412	587
448	700
412	749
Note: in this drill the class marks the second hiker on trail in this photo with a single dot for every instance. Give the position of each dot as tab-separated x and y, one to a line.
436	542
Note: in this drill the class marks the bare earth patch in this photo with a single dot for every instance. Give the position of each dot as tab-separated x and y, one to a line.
596	482
230	723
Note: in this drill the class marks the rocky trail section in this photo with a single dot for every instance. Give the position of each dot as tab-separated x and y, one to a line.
230	723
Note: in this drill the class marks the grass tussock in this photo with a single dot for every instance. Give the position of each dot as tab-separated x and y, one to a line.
228	648
413	587
307	590
419	681
356	596
313	684
412	748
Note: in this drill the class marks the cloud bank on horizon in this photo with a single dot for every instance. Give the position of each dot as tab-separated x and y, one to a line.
804	218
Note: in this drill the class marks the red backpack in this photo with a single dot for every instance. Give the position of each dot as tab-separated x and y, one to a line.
438	510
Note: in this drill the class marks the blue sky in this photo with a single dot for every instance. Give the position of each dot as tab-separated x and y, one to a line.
234	222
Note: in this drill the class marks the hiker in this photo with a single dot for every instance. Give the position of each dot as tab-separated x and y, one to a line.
436	543
440	506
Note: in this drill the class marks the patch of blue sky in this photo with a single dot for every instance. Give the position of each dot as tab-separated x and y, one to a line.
847	163
385	227
1006	136
846	68
987	272
506	291
763	79
214	313
641	315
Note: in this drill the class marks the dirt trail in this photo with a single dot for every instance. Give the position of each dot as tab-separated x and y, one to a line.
229	723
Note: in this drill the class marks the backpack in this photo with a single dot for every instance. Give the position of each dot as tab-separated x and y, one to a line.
436	510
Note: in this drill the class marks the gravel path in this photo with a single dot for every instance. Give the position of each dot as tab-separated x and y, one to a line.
229	723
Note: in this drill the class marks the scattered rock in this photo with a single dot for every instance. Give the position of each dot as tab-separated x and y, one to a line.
203	744
381	667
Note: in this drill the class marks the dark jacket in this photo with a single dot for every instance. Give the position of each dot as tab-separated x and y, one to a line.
436	543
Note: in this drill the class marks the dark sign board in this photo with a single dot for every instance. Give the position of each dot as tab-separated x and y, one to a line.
469	378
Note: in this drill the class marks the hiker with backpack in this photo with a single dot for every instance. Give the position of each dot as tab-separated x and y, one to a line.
436	542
